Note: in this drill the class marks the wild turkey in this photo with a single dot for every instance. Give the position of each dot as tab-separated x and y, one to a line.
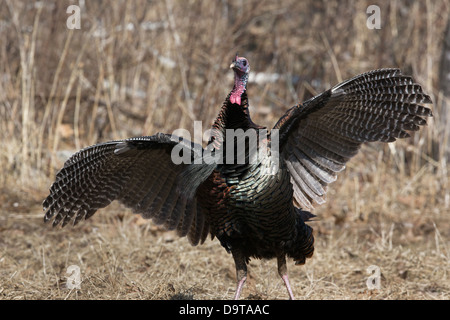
254	211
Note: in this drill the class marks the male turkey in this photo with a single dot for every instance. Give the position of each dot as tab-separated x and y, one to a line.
253	211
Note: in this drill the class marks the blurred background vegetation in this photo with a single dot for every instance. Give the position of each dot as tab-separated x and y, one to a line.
138	67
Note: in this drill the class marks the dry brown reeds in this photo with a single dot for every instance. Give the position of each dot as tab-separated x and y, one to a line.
139	67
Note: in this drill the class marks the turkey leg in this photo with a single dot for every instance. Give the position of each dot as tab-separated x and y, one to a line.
282	271
241	271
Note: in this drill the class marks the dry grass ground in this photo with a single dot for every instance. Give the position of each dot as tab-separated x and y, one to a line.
136	68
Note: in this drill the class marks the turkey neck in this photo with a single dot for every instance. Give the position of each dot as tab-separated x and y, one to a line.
232	116
240	86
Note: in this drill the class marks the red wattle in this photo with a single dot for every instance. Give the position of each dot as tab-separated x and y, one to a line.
235	99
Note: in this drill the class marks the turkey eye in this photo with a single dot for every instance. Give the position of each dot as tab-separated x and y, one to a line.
244	63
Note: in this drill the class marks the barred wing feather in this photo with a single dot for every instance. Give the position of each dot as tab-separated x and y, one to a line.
318	137
138	172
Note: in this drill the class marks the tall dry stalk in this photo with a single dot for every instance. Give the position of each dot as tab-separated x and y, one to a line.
27	50
50	100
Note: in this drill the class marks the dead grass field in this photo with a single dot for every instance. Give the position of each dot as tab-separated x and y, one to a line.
136	68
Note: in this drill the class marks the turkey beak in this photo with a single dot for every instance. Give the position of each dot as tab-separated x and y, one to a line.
233	64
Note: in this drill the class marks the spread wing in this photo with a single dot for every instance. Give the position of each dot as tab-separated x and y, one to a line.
138	172
318	137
